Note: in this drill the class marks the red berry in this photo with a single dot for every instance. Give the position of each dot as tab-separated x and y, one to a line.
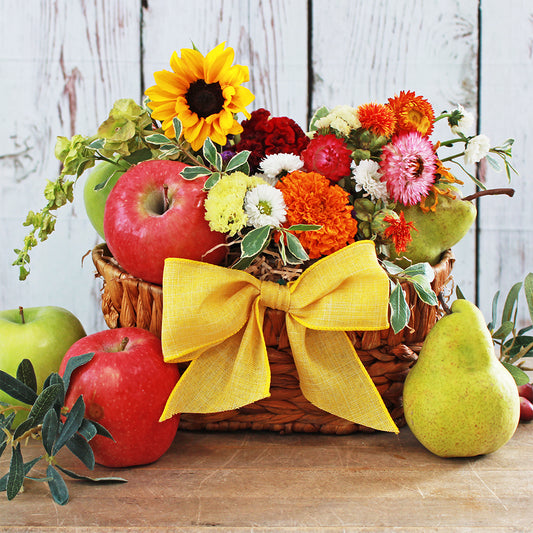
526	410
526	391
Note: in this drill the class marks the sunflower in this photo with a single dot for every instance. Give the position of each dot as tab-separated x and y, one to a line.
203	92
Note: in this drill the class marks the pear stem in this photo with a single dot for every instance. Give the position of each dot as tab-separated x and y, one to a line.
444	304
489	192
21	313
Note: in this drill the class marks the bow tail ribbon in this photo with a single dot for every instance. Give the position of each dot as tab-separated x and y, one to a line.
341	387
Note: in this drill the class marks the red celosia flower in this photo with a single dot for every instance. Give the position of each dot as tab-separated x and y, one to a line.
329	156
413	113
311	199
399	231
266	135
378	118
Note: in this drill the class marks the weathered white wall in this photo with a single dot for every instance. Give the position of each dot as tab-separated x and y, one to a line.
64	62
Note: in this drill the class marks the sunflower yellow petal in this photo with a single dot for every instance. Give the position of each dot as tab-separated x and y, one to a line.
170	82
193	61
217	63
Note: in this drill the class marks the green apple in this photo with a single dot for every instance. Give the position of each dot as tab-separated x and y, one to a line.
95	199
41	334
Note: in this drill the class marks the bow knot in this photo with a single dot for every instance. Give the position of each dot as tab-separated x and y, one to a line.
275	296
213	317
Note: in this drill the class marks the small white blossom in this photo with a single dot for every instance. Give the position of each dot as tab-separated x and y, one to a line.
368	178
265	206
465	123
342	118
476	149
277	165
341	126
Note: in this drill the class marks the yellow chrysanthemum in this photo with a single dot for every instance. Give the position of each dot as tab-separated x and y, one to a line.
224	205
203	92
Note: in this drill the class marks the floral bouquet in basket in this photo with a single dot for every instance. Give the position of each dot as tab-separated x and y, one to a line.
364	195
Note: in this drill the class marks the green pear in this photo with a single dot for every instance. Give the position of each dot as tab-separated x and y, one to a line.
438	230
458	399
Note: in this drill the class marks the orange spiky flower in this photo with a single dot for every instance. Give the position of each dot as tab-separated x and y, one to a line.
378	118
413	113
399	231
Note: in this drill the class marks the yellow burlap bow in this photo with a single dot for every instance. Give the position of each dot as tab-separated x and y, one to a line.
213	317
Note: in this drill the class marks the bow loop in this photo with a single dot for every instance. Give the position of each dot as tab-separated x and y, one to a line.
275	296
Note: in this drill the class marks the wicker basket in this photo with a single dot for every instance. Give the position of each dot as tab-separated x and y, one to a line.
129	301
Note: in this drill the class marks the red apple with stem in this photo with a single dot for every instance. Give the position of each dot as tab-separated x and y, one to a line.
125	387
153	213
526	391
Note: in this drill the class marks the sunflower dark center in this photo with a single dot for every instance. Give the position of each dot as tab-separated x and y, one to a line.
205	99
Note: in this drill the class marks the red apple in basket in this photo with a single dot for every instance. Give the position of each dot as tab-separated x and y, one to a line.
153	213
125	387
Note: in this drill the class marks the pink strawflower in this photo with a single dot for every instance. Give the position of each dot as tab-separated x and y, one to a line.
408	166
329	156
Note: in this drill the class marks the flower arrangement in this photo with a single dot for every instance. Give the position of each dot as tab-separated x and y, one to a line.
358	173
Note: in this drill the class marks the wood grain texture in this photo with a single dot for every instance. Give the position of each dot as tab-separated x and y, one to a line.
266	482
65	62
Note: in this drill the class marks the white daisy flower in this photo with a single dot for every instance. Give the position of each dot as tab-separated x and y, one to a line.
476	149
278	165
265	206
464	123
368	178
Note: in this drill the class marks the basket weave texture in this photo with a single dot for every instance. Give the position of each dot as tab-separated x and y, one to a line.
387	357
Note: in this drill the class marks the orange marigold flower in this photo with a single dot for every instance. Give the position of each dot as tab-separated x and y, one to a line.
310	199
399	231
413	113
378	118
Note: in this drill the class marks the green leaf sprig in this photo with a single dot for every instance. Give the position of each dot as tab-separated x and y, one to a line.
420	276
515	346
50	421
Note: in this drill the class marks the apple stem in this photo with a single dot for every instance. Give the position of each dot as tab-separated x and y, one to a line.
165	198
489	192
123	344
21	313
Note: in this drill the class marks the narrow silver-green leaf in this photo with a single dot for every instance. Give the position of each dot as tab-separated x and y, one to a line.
391	268
520	377
191	173
74	475
511	301
492	323
400	312
16	388
97	144
176	122
304	227
26	374
72	364
423	288
420	269
295	247
101	430
16	473
503	331
459	293
72	424
57	485
528	289
23	427
45	400
49	431
237	161
82	450
319	113
255	241
212	180
87	430
157	138
211	154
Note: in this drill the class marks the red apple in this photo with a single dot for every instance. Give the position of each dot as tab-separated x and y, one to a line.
125	387
526	391
526	410
153	213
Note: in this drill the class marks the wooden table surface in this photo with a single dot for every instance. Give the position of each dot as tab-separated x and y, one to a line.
258	481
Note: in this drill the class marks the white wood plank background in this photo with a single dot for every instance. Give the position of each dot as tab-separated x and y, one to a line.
64	62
